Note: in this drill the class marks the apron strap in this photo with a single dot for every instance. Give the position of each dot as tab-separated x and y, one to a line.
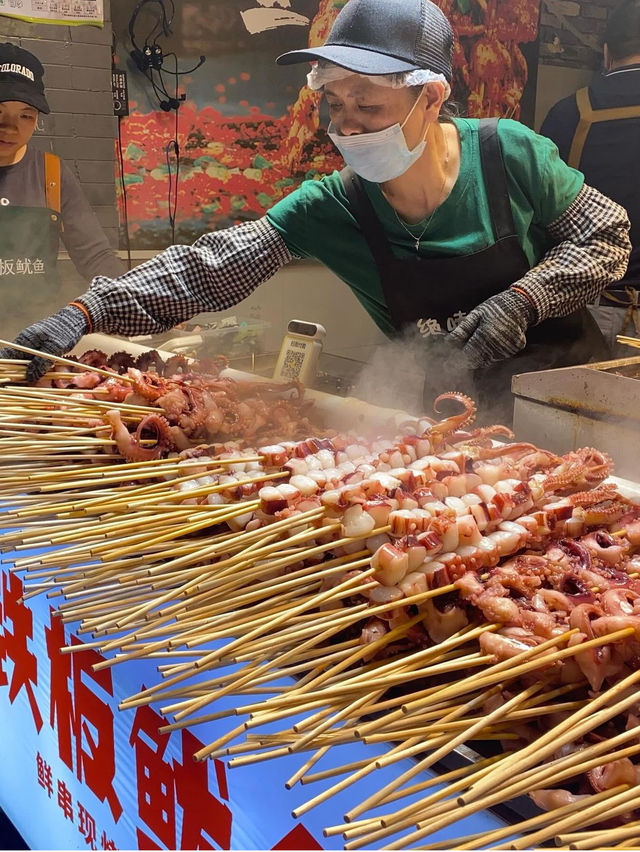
582	130
495	179
589	116
366	217
52	181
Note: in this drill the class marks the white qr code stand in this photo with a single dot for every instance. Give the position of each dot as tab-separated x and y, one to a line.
299	353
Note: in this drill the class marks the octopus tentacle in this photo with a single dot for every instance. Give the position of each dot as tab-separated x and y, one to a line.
598	495
93	358
129	445
176	364
149	385
211	366
121	361
513	450
481	435
150	359
598	464
579	469
442	428
456	421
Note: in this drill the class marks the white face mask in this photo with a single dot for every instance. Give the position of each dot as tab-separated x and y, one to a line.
379	156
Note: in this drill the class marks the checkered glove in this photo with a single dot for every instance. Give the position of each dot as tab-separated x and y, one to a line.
55	335
496	329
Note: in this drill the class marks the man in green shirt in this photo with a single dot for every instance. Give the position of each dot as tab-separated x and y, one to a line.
466	233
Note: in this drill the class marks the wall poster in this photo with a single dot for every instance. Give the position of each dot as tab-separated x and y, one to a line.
63	12
249	131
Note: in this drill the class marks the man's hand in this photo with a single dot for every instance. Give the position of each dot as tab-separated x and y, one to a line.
55	335
496	329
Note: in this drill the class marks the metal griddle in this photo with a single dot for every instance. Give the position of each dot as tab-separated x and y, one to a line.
560	410
596	405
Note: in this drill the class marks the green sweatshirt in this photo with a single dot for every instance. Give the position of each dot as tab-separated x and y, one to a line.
315	220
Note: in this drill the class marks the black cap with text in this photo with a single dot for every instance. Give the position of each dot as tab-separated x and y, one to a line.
21	77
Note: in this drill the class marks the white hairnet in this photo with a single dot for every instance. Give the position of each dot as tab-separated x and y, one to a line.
323	72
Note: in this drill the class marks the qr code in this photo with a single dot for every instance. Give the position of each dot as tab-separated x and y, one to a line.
292	364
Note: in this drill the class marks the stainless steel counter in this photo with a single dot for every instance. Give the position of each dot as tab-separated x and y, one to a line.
588	405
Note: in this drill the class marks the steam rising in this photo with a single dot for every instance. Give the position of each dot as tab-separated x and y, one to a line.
401	369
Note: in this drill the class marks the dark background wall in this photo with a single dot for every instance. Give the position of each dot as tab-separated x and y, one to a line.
571	32
81	128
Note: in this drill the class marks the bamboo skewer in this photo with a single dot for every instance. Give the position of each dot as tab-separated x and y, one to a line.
104	550
306	766
76	405
190	586
153	467
492	675
268	716
555	772
501	671
525	783
365	825
126	572
361	773
575	763
465	736
430	654
407	816
628	341
331	626
209	659
593	839
343	588
620	800
477	841
58	359
584	719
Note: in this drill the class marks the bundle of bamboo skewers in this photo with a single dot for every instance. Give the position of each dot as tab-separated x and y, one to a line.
148	575
628	341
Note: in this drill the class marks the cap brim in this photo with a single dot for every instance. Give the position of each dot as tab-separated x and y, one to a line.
24	94
356	59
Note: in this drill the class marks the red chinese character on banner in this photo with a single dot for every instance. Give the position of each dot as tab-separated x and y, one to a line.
205	820
3	653
13	644
65	802
105	843
156	796
145	842
44	774
202	813
87	826
298	838
82	716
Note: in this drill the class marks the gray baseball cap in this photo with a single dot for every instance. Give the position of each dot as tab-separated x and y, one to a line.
384	37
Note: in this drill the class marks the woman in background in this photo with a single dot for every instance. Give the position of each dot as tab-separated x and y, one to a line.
40	202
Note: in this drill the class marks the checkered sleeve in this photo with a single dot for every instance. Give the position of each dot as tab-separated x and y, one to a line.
591	251
219	270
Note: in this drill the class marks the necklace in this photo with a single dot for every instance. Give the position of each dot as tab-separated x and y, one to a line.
413	236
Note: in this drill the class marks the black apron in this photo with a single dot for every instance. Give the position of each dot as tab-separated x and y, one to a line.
427	297
29	241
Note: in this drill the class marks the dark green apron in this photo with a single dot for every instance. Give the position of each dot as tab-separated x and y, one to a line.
444	288
29	285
